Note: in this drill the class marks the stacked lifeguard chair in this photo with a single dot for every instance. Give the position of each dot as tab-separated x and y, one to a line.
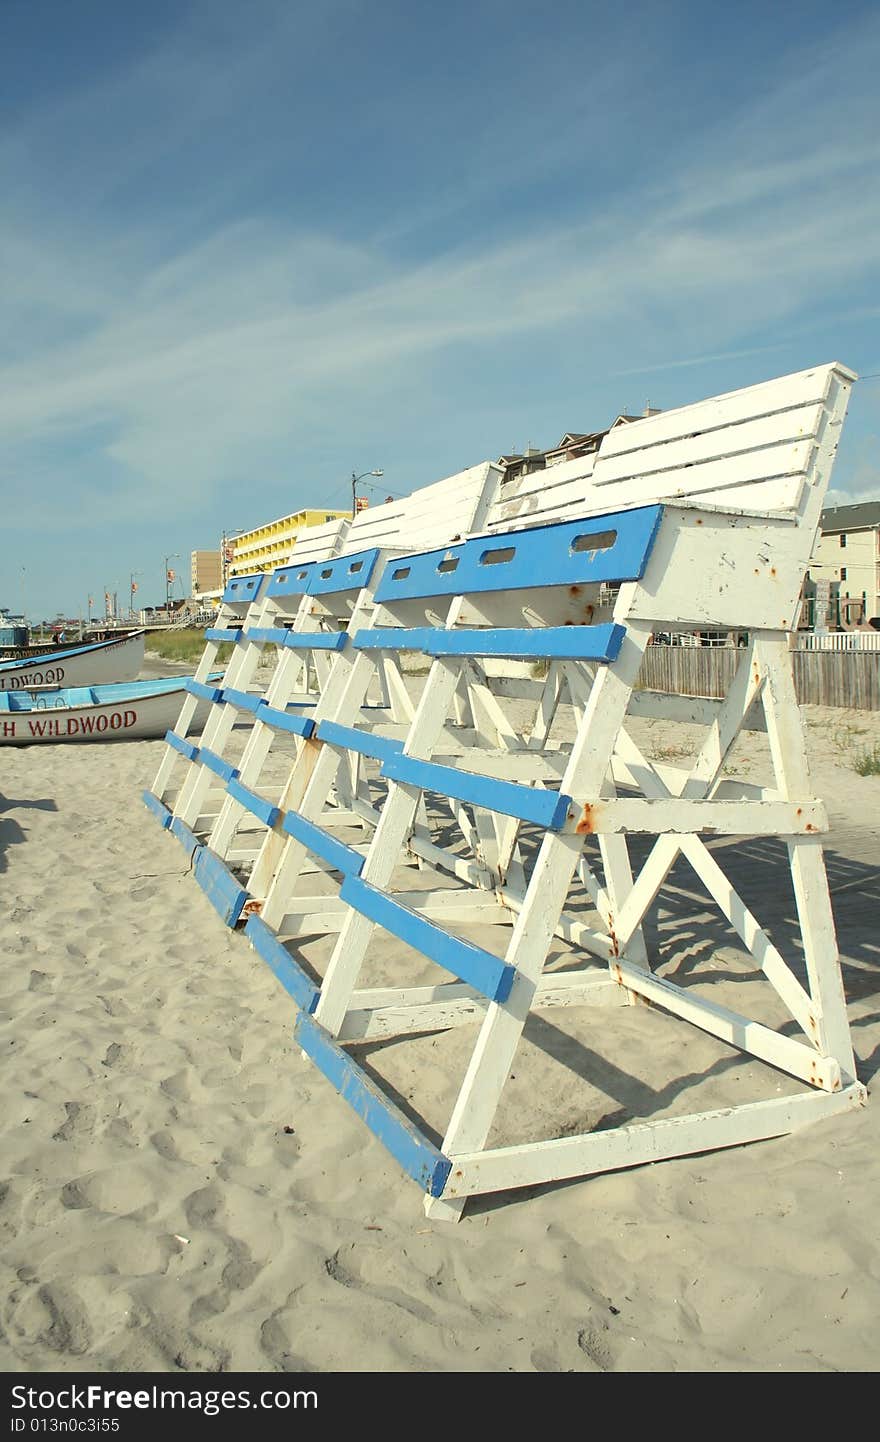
698	518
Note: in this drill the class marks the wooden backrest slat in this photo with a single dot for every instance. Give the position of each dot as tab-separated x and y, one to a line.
750	449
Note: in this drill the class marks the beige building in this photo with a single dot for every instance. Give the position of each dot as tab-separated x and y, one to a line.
847	560
205	574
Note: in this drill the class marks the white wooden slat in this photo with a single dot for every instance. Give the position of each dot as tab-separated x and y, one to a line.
535	1162
375	1015
770	397
573	498
447	507
790	458
771	497
674	816
317	542
764	434
537	482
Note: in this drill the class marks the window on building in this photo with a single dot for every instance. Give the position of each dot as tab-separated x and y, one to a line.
843	540
843	573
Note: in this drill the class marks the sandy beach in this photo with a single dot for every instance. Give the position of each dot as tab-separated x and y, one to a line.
181	1191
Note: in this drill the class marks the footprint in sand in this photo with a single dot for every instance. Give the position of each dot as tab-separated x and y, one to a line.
53	1315
201	1207
595	1342
118	1192
80	1122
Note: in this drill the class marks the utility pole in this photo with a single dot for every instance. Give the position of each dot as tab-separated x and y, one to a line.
169	581
354	480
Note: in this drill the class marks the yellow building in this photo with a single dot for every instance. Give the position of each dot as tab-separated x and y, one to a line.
269	546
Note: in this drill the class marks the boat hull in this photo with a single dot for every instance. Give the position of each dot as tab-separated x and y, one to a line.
100	663
141	710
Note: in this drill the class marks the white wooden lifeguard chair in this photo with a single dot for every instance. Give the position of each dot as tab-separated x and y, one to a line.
698	518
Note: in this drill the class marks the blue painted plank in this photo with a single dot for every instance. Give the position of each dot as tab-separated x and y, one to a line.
267	635
243	588
207	693
529	803
179	743
264	810
295	981
188	841
554	555
341	857
291	580
345	573
225	893
487	973
215	763
315	640
159	810
353	740
243	700
285	721
392	638
418	1157
217	633
587	643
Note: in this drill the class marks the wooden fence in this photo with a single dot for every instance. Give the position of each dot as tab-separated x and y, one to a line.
822	678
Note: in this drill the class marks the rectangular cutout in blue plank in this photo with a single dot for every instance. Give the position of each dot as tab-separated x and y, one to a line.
344	573
188	841
285	721
341	857
159	810
583	643
392	638
528	803
225	893
291	580
243	588
263	810
488	974
180	743
560	554
215	763
296	982
353	740
411	1149
206	693
242	700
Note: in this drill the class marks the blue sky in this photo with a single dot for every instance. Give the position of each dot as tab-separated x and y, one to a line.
246	249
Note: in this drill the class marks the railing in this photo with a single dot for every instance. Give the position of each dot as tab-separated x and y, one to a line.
838	641
803	640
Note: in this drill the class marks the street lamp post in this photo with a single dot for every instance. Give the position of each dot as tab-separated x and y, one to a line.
354	481
169	578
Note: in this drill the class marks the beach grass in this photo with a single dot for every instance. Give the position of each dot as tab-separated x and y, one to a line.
868	764
184	645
